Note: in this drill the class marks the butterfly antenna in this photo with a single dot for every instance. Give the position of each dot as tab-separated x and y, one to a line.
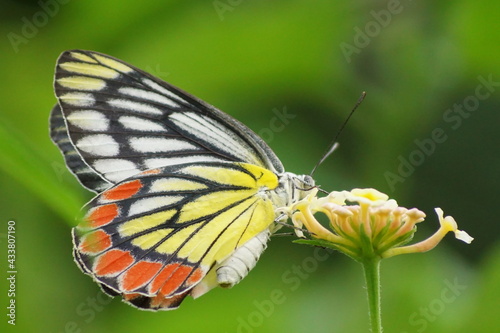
334	144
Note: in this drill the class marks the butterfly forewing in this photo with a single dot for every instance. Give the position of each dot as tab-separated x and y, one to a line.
59	134
122	120
155	236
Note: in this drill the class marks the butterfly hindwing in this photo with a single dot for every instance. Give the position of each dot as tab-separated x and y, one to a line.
155	236
122	121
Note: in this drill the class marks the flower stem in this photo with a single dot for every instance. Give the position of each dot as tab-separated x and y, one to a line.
371	268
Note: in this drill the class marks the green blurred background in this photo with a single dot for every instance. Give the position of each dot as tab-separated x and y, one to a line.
423	66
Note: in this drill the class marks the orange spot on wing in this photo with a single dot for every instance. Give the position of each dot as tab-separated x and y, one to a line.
161	278
95	242
151	172
170	279
174	302
159	301
156	301
123	191
100	216
195	277
139	274
129	297
176	279
112	262
162	302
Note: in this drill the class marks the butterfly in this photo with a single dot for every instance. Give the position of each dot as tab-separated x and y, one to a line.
187	196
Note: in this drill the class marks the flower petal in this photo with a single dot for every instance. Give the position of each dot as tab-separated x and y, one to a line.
439	213
367	196
463	236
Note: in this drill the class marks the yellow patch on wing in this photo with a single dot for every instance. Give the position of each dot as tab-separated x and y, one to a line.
255	220
140	224
175	241
113	64
89	69
82	57
227	176
82	83
151	239
264	177
212	203
228	231
78	99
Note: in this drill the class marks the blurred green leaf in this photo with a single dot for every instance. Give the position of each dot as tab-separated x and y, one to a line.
19	160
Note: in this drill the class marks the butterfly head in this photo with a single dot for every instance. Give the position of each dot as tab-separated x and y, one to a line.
307	182
292	188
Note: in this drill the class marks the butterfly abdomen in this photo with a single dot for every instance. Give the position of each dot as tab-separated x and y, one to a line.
237	266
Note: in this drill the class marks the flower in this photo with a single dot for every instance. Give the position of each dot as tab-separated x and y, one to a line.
448	223
372	225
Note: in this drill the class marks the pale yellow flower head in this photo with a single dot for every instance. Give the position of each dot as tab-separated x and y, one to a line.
371	225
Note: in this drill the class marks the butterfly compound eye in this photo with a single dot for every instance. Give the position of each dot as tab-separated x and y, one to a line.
308	180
